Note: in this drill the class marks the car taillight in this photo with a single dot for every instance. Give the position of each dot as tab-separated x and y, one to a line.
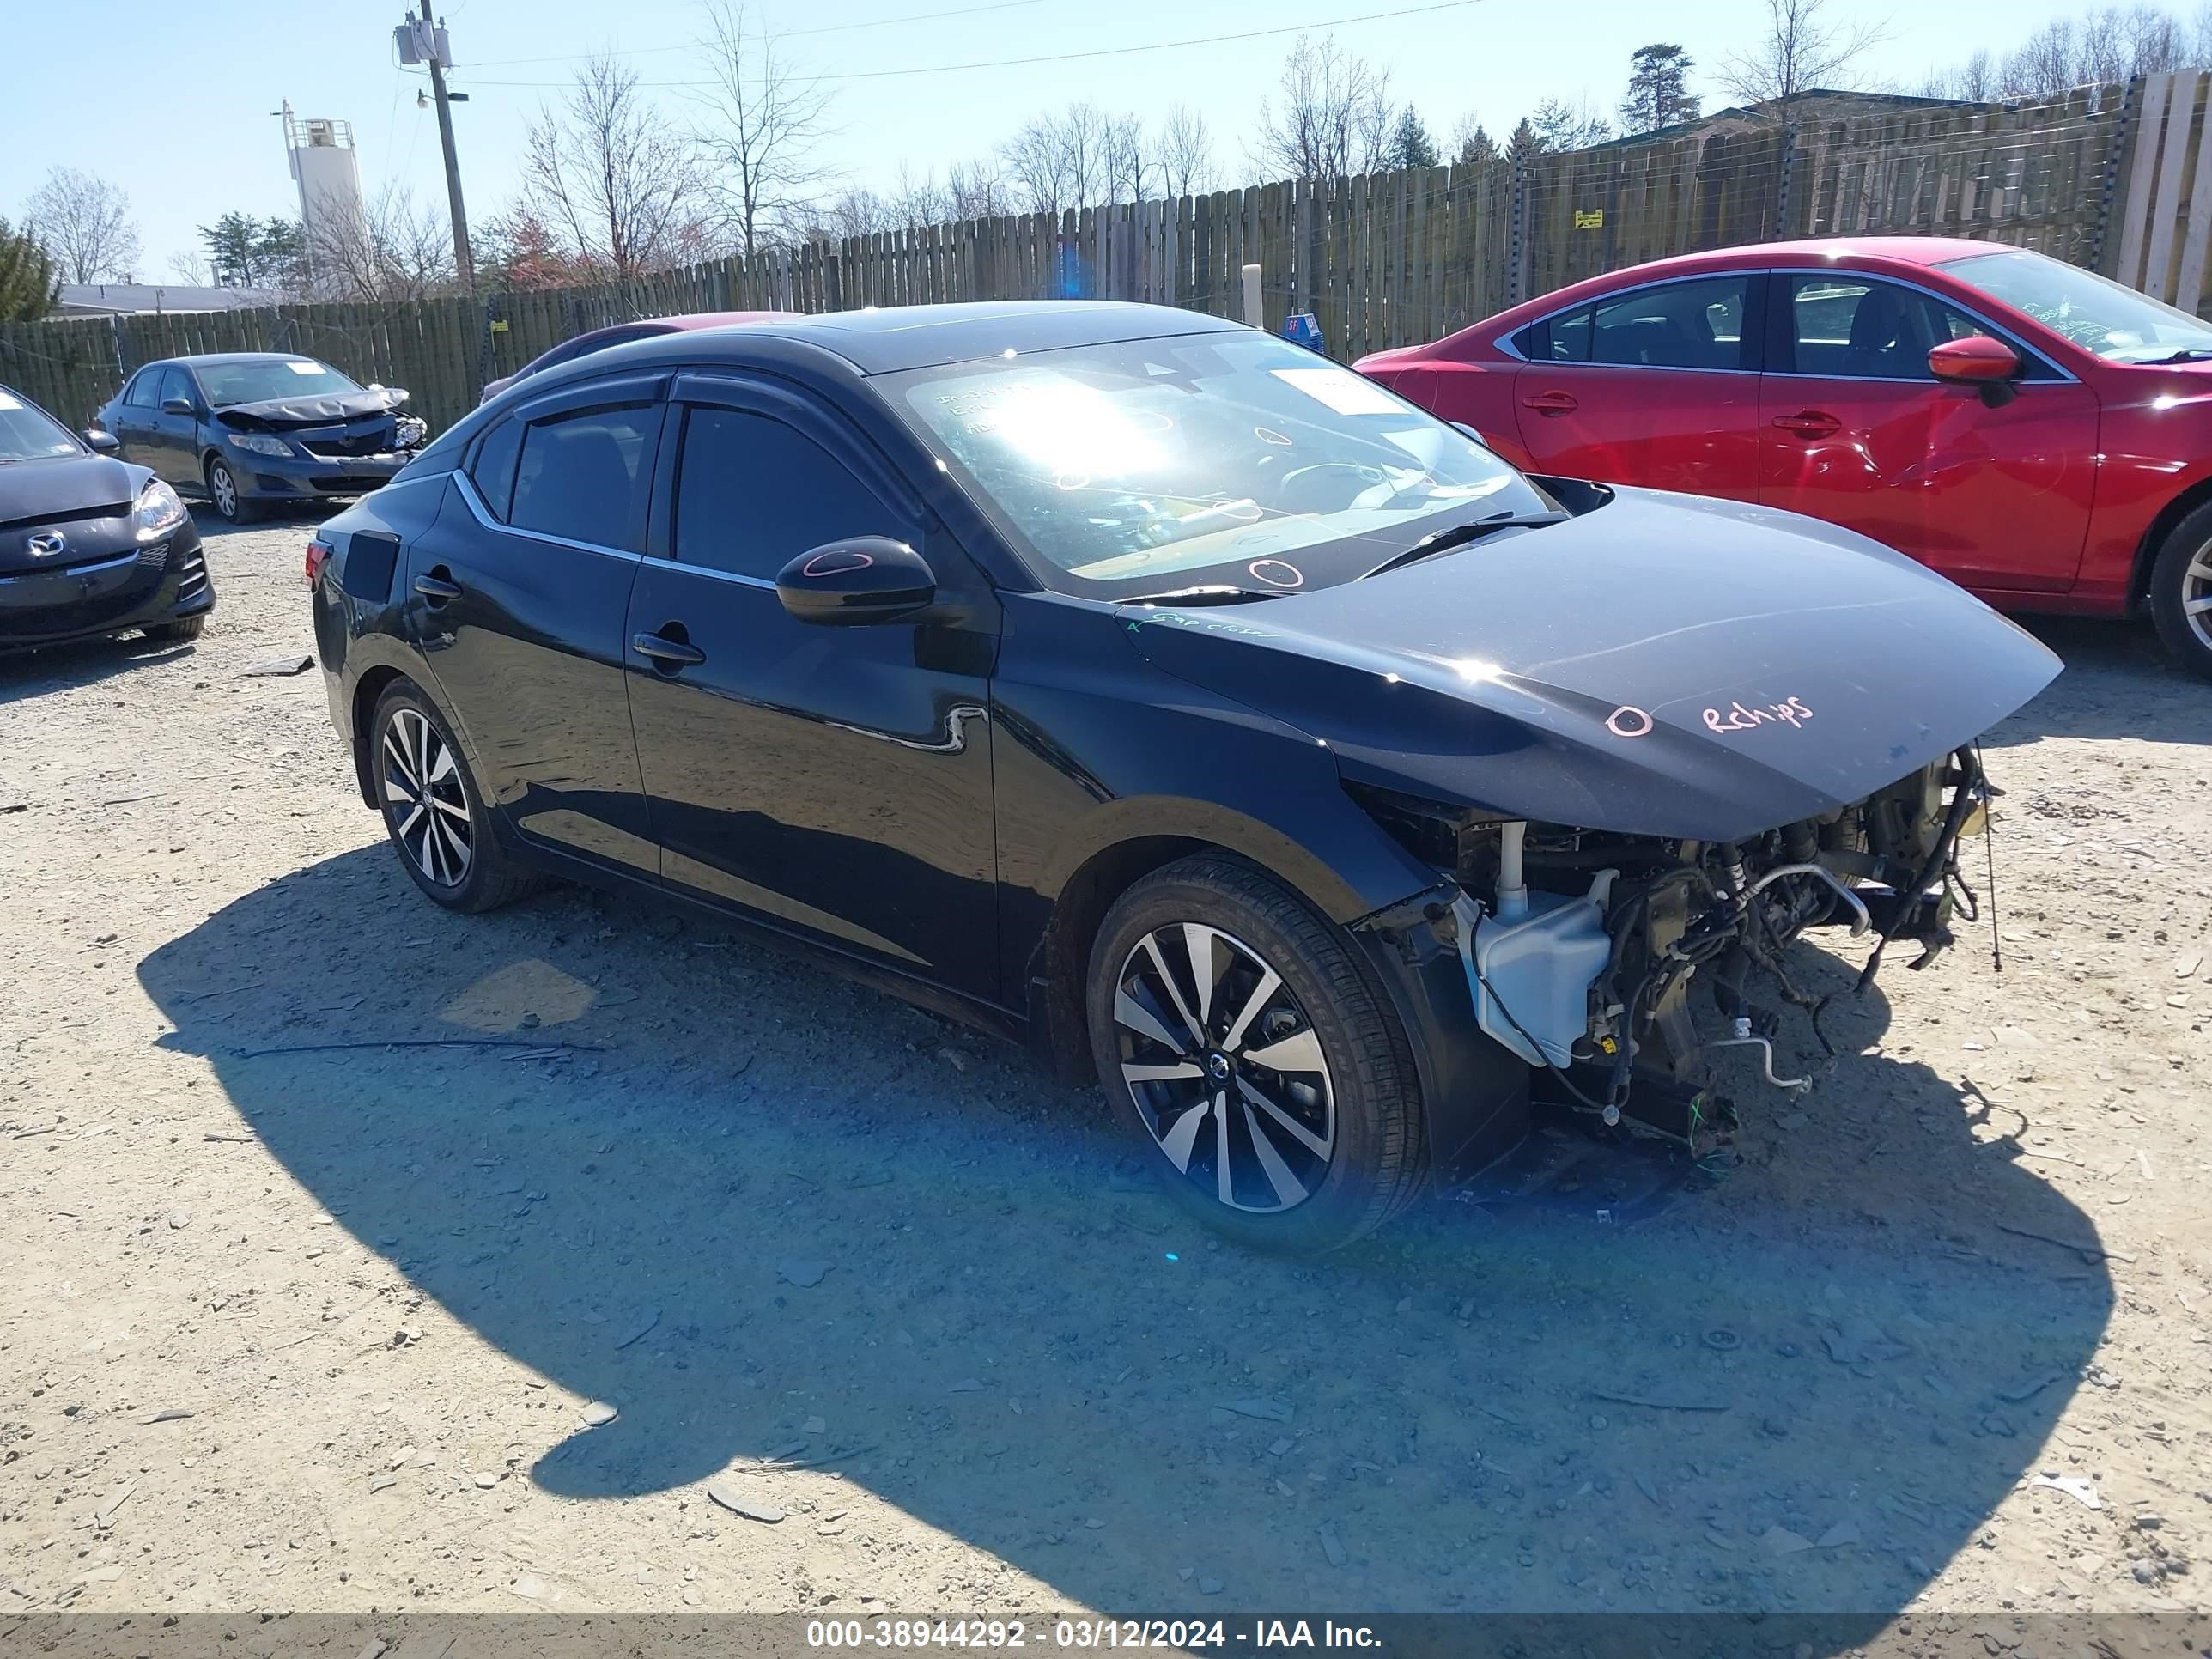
319	554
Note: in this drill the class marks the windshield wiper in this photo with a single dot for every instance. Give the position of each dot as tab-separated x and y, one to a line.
2186	355
1459	535
1216	595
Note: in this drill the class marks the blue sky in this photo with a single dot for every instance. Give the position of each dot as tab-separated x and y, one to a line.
207	82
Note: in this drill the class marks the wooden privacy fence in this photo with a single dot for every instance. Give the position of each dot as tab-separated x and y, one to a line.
2104	177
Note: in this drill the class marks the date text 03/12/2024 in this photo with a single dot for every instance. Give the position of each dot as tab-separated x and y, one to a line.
1184	1634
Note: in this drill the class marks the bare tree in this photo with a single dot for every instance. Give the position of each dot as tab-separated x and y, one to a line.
394	249
1186	151
1331	116
85	226
978	190
1800	49
1060	162
610	176
192	269
763	124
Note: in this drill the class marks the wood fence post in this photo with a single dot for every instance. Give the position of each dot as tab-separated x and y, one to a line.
2109	189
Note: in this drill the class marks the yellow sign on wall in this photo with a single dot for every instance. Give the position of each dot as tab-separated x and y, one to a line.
1594	219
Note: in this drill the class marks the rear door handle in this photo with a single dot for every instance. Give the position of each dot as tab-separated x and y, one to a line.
436	589
1809	423
671	653
1552	403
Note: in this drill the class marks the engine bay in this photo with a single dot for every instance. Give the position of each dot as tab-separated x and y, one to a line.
1604	960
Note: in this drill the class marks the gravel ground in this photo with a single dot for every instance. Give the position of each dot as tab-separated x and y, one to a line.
330	1330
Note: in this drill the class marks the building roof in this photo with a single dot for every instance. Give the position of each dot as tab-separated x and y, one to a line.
132	299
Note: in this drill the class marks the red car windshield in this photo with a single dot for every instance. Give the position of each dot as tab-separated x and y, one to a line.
2094	312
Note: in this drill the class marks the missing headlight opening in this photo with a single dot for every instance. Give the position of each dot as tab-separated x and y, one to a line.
1583	949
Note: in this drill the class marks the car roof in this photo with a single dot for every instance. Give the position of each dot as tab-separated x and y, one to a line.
880	340
208	358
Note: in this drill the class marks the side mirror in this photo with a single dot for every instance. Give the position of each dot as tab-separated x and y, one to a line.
1980	361
176	405
103	443
867	579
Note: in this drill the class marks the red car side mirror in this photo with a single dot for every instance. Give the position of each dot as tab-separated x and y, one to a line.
1976	361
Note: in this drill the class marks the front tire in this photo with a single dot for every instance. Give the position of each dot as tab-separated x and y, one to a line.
223	495
1242	1038
437	823
183	628
2181	592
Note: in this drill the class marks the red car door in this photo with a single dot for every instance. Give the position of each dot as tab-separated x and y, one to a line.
1657	386
1855	430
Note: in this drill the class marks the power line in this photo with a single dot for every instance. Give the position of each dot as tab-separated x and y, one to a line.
781	34
1069	57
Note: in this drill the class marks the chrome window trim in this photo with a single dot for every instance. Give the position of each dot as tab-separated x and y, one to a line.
483	517
1504	343
738	577
2004	332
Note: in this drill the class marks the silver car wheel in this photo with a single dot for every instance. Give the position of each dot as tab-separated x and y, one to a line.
422	792
2197	595
1225	1068
224	488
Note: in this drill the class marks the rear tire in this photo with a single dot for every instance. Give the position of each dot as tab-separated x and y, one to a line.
1286	1054
2181	579
183	628
432	812
223	495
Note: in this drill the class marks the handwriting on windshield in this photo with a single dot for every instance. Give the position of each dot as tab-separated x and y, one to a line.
1737	718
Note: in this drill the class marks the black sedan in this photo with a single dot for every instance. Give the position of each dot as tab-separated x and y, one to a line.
246	430
89	546
1146	689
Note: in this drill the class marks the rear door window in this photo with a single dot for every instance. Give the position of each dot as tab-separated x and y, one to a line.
492	468
584	476
1691	324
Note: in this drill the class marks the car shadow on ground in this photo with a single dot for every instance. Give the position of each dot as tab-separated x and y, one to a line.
762	1209
49	668
2117	684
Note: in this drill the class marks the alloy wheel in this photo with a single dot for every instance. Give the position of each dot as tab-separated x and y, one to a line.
2197	595
1225	1068
423	791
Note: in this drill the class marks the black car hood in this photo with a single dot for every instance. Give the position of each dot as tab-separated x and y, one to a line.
66	493
1662	664
279	412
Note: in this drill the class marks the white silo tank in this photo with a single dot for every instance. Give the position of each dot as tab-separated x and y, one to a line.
332	213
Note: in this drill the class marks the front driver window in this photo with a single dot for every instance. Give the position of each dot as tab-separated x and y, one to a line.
1847	327
753	492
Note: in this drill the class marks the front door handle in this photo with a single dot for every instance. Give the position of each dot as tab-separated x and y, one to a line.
1810	423
1552	403
666	652
436	589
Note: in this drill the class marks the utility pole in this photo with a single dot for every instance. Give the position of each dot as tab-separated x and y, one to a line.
421	40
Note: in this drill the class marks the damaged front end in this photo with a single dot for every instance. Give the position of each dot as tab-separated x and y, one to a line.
1590	955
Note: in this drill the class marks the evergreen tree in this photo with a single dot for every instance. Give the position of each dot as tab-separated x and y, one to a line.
28	288
1409	144
1659	93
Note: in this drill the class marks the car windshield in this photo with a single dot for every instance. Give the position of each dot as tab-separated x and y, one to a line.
1213	459
28	434
269	378
2094	312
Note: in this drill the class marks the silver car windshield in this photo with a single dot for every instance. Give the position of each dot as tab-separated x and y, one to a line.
1236	458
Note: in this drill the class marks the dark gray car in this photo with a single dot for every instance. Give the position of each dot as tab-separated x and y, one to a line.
246	429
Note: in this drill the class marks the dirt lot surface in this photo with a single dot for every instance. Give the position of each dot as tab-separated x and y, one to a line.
293	1319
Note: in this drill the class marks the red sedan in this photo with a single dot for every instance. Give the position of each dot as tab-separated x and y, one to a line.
2039	435
599	339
